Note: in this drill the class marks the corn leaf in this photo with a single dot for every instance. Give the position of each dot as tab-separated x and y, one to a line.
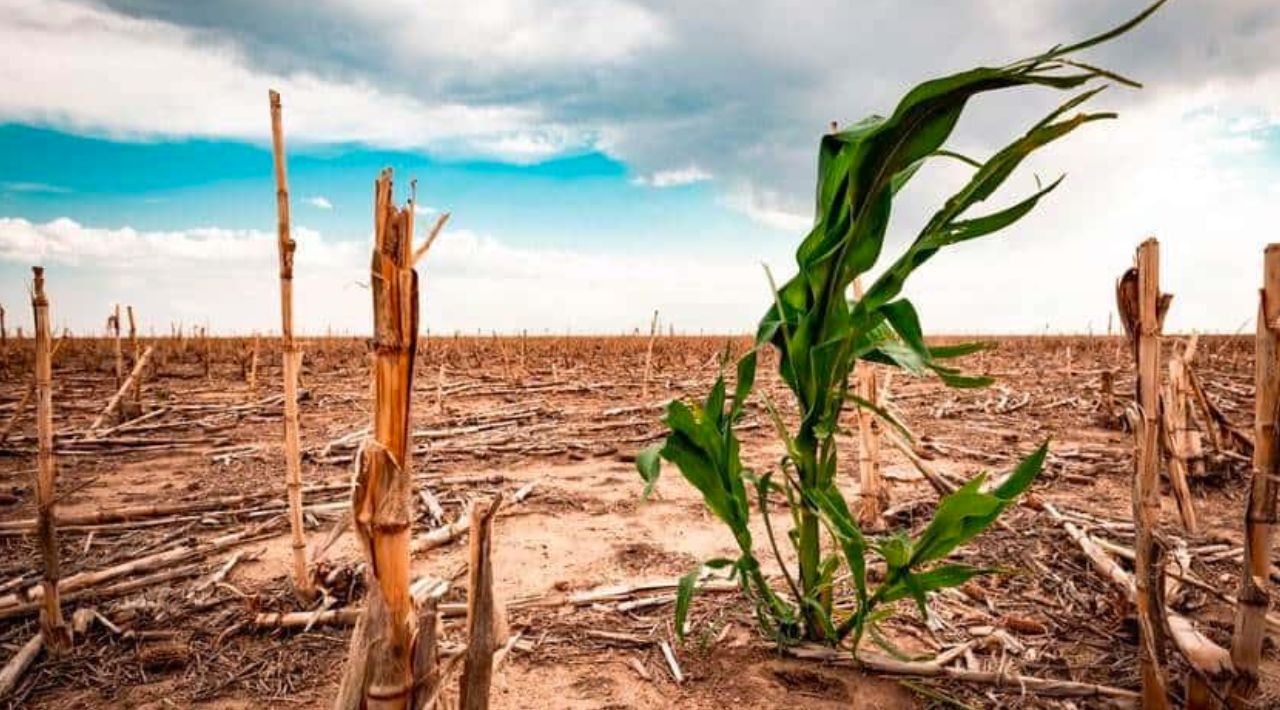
967	512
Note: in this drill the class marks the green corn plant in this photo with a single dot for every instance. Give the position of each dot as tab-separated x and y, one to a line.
819	334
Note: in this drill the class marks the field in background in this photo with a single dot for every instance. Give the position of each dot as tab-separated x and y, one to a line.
567	415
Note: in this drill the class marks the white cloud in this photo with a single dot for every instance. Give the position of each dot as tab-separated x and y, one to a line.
33	187
1160	170
470	282
742	95
522	33
87	69
673	178
766	207
319	202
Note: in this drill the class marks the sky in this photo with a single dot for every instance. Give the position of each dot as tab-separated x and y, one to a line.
605	158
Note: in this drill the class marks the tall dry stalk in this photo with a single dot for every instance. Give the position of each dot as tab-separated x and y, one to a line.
1260	516
380	670
1148	574
208	354
56	635
137	355
648	356
253	368
484	632
292	361
1177	440
874	495
113	326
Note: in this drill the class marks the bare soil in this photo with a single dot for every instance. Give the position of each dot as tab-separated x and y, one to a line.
568	415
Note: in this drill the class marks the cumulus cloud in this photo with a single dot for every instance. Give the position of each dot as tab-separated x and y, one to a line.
319	202
742	96
769	209
83	68
470	281
673	178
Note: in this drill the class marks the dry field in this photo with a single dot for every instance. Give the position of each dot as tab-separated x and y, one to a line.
558	421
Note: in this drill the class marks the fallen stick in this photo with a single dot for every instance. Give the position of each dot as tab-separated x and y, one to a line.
674	666
438	537
424	589
133	422
1013	682
113	523
109	592
1210	658
19	664
940	483
139	512
345	616
1273	620
183	553
124	388
615	593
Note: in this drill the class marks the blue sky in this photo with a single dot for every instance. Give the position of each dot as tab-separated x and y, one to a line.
561	202
602	159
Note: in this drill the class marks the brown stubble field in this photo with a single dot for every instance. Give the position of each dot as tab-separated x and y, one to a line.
558	420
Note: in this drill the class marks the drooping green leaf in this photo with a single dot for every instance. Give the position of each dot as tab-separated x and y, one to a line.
967	512
942	576
1023	474
649	464
949	352
684	595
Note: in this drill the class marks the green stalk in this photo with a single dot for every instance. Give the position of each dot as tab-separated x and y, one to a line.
809	542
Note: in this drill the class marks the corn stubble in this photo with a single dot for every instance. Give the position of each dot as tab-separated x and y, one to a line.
380	669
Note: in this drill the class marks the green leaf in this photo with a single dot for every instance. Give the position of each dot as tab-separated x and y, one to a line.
906	322
714	406
649	464
746	379
1023	474
964	514
1112	33
942	576
952	378
949	352
684	595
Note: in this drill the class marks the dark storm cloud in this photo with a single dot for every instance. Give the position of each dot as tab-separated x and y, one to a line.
741	89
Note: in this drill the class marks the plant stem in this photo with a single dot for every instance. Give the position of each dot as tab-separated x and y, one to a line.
809	547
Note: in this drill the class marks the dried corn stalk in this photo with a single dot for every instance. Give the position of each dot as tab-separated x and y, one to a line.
380	668
1143	324
292	361
137	355
1260	516
873	493
52	625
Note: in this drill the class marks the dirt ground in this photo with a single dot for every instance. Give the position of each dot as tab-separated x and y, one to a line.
493	415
